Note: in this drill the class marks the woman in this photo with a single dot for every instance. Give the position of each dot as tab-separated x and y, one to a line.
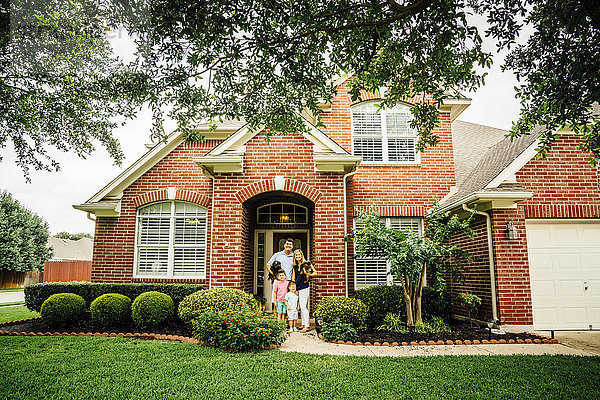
302	273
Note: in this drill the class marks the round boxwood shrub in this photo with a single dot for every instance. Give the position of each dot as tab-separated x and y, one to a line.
62	309
111	310
217	299
342	309
152	309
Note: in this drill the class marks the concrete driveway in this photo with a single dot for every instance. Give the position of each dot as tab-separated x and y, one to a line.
11	297
583	340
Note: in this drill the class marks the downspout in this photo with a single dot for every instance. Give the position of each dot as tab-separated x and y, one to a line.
490	255
89	216
346	176
212	217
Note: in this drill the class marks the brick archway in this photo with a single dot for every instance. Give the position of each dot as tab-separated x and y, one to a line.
284	184
163	194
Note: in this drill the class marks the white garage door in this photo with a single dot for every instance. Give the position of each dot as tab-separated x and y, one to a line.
564	265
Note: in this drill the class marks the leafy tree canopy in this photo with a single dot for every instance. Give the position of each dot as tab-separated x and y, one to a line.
266	60
23	237
73	236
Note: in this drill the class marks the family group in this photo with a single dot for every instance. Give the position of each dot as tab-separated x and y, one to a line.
291	274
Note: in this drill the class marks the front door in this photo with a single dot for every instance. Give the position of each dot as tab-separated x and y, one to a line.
267	243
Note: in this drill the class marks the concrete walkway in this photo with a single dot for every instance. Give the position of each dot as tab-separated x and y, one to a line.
11	297
309	343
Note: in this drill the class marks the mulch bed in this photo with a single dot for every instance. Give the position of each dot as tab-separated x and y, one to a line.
174	329
462	333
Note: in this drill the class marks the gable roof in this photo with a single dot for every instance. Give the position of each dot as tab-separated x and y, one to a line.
484	173
227	157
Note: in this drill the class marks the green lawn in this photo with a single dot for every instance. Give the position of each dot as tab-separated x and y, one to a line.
11	290
13	313
116	368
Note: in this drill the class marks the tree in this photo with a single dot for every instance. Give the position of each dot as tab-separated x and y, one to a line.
413	257
73	236
60	84
267	60
23	237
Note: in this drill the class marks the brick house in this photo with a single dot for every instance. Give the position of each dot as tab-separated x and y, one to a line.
213	212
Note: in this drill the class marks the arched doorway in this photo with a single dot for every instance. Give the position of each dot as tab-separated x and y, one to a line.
270	218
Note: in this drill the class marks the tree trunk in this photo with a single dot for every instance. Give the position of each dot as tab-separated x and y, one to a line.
418	315
406	291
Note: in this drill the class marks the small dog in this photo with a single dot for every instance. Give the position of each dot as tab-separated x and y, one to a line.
306	269
275	268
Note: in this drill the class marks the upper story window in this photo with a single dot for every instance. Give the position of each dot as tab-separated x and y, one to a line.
282	214
384	136
171	240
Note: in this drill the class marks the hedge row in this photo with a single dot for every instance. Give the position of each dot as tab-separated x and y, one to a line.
35	295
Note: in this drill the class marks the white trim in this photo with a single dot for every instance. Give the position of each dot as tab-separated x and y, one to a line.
515	166
234	143
504	196
384	139
171	245
547	221
138	168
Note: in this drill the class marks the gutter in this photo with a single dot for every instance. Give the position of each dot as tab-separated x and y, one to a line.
212	218
346	176
487	196
491	257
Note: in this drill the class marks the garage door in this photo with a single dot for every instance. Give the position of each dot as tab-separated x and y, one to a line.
564	264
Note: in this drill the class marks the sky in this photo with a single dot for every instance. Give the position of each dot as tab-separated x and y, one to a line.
51	195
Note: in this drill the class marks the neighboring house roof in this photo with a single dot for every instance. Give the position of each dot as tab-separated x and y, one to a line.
66	249
484	162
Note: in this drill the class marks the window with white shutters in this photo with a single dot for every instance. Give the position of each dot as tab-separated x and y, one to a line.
383	135
376	271
171	240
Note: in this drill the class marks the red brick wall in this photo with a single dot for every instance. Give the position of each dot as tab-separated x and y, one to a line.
114	238
290	156
394	189
476	273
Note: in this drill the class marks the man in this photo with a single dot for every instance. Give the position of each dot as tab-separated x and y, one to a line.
285	257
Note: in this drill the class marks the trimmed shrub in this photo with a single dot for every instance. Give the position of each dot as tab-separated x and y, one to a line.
111	310
342	309
337	330
62	309
152	309
239	330
381	301
36	294
436	325
217	299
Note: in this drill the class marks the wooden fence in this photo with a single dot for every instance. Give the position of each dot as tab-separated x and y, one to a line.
12	279
64	271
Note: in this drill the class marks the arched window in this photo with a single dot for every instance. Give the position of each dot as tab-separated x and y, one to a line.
282	214
384	135
171	240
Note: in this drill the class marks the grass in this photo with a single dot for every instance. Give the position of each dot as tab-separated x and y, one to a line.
11	290
13	313
116	368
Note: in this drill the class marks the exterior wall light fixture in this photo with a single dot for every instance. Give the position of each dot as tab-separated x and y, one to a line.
511	231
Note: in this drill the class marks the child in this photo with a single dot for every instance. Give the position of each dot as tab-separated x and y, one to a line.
280	289
291	303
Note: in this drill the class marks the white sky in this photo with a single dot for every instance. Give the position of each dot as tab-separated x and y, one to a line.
52	194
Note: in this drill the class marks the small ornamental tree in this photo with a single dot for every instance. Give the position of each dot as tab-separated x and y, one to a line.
23	237
412	256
